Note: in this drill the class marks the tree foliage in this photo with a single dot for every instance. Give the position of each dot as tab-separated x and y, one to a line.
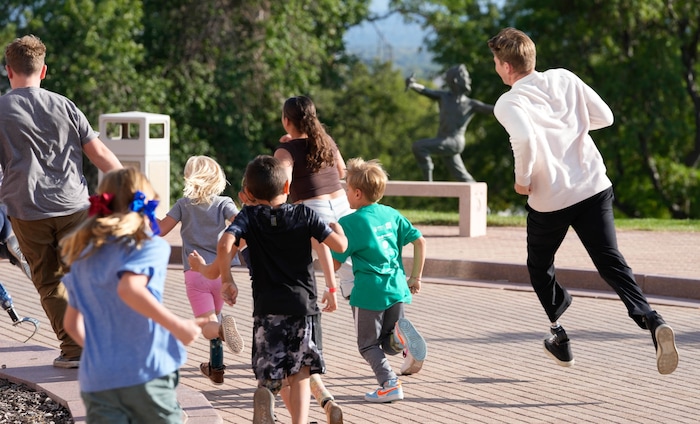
231	64
222	68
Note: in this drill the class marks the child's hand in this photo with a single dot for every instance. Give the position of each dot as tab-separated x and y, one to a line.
195	261
187	332
336	227
330	300
229	292
414	284
245	198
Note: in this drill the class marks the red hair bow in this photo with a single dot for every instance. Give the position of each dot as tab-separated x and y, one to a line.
99	204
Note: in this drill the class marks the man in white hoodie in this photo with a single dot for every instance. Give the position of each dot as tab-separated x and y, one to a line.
548	116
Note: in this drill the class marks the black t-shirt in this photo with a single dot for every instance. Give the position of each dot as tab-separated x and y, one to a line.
279	243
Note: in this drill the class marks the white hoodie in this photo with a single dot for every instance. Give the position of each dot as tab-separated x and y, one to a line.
548	116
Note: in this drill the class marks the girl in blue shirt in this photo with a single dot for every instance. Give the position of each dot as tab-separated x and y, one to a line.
132	345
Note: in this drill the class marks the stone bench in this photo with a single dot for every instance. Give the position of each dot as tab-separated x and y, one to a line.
472	200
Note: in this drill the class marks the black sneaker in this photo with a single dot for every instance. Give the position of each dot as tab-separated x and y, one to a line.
557	346
65	362
664	342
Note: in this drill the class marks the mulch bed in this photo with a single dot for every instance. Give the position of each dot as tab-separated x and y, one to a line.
20	404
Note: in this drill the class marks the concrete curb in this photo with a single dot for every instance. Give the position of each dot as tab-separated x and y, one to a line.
572	278
32	366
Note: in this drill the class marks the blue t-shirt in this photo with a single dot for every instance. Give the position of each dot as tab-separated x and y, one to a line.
122	347
376	236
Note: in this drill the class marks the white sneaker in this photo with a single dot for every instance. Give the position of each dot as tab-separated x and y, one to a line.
410	364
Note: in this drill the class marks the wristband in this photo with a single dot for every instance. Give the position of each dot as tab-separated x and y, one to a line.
331	289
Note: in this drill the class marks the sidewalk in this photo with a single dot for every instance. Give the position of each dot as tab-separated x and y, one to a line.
485	361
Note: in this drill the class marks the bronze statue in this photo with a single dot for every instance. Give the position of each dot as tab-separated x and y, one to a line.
456	111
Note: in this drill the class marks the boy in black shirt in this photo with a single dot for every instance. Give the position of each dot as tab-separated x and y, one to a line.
286	326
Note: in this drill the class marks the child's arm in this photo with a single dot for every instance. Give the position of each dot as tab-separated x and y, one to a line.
414	281
223	252
74	325
336	240
226	249
133	291
166	225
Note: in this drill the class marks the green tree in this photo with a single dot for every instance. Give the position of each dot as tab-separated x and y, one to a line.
231	64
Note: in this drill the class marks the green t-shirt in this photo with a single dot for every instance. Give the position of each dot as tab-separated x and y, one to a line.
376	236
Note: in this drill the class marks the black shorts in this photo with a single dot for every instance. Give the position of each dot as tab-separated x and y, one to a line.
283	344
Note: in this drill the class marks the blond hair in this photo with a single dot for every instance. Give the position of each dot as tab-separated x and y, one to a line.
26	55
367	176
119	223
516	48
204	179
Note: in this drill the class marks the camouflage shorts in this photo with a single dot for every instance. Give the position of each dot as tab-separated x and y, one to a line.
283	344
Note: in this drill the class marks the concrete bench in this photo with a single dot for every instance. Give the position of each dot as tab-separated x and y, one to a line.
472	200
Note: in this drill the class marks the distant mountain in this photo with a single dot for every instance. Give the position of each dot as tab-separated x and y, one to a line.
393	40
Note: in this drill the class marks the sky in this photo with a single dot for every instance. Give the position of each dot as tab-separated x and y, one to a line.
392	31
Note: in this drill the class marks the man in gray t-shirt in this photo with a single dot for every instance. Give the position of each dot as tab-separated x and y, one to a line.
43	136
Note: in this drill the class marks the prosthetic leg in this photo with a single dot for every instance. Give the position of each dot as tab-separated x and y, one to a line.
6	303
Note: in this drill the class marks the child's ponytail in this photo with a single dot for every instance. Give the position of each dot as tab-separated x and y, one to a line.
120	212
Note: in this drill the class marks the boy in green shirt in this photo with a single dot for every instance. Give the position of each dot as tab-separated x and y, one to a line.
376	235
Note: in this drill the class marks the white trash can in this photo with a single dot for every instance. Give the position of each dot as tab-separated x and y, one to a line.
141	140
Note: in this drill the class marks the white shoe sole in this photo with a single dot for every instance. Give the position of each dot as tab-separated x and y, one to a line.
666	351
412	368
232	337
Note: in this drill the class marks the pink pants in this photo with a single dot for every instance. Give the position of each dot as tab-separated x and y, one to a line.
204	294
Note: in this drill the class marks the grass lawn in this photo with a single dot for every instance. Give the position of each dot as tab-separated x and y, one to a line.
423	217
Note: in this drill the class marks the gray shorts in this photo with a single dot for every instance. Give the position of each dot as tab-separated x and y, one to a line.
152	402
283	344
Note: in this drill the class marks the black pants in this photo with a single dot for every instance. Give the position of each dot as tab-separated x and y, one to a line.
593	221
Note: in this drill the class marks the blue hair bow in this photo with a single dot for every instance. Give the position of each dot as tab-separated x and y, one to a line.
148	208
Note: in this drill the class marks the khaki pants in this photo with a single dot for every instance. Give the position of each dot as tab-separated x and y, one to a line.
38	241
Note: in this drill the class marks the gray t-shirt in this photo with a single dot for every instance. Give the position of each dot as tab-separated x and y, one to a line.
42	135
202	225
